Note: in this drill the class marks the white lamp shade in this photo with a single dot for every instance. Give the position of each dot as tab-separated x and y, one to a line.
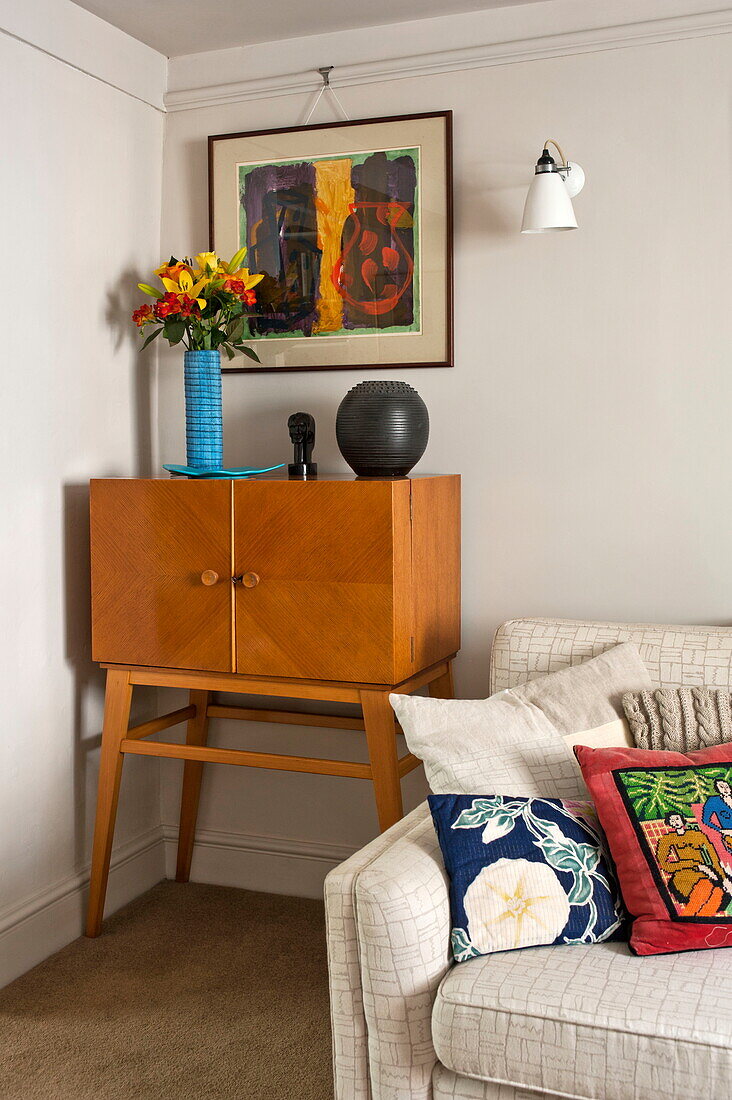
548	206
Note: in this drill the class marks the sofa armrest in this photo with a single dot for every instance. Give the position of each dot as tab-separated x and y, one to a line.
388	917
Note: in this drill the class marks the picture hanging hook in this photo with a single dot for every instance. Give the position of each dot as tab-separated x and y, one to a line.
325	71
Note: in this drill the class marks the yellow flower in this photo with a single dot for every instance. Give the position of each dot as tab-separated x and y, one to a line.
185	285
243	276
207	263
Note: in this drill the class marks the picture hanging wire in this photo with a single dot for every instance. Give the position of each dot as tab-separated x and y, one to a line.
325	72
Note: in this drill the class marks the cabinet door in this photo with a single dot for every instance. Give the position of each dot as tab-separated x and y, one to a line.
161	573
316	601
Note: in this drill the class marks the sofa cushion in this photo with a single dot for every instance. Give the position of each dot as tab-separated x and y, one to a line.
519	741
447	1085
594	1022
667	818
682	719
525	871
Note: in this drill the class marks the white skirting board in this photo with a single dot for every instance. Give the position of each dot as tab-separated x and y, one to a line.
51	919
273	865
48	921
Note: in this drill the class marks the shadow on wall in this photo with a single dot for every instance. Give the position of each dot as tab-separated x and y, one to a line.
122	298
258	435
88	679
142	404
486	207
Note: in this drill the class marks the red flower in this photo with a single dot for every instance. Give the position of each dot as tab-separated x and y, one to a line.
166	305
141	315
239	287
188	306
235	286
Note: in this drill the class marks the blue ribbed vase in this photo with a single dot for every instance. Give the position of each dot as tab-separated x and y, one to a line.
204	427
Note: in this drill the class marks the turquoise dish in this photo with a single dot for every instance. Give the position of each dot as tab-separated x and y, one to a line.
220	473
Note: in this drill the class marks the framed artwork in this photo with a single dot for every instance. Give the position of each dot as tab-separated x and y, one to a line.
351	225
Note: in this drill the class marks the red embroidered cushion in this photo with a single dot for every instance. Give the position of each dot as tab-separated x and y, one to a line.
668	821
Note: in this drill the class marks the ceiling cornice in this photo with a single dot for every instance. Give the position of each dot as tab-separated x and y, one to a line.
430	62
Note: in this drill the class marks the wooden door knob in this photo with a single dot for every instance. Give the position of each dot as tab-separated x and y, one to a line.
209	577
250	580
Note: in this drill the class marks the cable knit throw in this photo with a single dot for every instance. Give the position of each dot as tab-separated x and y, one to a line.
681	719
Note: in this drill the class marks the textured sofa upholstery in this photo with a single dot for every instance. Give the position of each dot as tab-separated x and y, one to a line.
593	1023
590	1021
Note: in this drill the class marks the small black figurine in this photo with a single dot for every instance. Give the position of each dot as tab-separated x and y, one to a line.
301	427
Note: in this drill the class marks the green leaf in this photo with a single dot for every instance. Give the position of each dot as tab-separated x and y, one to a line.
150	338
213	307
248	351
581	890
462	948
229	351
235	330
147	289
481	811
564	854
174	331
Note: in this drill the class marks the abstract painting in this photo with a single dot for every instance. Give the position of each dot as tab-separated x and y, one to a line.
336	240
351	235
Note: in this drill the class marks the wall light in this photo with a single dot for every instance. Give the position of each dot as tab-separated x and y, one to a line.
548	207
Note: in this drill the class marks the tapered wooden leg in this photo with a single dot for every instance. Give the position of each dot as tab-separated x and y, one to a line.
381	738
196	734
117	702
442	687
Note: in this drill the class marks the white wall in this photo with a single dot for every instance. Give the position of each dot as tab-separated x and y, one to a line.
588	410
81	216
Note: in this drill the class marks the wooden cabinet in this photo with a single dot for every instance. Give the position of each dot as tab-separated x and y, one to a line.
334	579
338	589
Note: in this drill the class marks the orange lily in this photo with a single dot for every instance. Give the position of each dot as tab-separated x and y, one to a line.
172	271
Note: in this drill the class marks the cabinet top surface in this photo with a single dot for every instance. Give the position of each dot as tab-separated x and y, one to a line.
283	476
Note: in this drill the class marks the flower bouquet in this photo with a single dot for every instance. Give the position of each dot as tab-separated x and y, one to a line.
203	305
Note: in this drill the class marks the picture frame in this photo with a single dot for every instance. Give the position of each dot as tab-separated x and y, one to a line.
351	225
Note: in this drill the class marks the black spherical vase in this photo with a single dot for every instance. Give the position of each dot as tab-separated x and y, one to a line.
382	428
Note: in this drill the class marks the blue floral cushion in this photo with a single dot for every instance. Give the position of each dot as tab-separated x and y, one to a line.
525	871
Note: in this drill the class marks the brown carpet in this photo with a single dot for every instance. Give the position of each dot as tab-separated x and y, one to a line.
190	992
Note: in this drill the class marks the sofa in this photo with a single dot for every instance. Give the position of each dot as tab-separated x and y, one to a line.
591	1022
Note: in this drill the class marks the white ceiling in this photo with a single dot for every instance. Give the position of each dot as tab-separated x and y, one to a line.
176	27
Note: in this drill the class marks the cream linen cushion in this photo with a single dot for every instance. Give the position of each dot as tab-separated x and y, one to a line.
519	741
